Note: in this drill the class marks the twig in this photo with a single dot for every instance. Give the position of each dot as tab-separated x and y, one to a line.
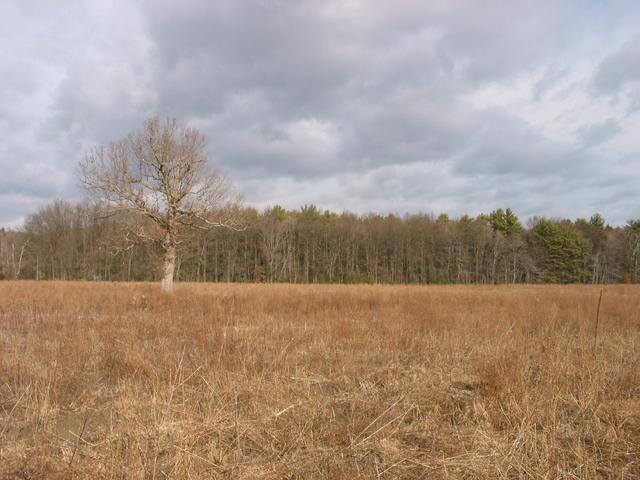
285	410
402	415
237	425
75	450
208	462
377	418
380	474
595	335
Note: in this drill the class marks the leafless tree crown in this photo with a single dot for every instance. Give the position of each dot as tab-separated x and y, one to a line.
161	172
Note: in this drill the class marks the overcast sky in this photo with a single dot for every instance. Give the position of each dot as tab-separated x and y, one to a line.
364	105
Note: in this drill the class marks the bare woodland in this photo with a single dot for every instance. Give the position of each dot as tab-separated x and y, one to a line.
74	241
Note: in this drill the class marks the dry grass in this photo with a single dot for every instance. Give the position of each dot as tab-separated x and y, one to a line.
279	381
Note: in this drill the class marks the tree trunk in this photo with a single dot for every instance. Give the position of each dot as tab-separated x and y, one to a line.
168	267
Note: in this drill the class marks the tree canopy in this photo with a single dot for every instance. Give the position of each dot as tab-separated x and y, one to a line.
69	241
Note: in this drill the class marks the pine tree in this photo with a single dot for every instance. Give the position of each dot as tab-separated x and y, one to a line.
563	252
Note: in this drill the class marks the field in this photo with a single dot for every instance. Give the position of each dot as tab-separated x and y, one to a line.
101	380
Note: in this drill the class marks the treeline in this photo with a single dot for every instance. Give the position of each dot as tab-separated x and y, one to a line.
74	241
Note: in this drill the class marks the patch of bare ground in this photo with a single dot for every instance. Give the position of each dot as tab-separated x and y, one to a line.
113	381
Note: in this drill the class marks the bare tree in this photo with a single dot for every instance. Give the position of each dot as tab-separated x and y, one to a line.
162	176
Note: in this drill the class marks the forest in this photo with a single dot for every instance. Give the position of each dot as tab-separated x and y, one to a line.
78	241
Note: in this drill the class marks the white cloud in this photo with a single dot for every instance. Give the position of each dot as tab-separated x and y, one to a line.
365	105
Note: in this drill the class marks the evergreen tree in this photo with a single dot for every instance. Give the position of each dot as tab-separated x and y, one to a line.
562	252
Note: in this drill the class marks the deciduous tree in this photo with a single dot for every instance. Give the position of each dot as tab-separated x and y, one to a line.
162	175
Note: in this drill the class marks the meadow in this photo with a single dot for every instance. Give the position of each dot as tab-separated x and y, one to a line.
278	381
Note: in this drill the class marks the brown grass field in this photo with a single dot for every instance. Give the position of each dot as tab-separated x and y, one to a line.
101	380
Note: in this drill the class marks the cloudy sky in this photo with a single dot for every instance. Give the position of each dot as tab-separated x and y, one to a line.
365	105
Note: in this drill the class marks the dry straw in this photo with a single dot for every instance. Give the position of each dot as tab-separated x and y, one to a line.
106	381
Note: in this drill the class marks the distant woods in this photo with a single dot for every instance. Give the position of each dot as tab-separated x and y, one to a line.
75	242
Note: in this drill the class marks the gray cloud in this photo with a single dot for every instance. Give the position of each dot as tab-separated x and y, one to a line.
597	133
619	68
365	105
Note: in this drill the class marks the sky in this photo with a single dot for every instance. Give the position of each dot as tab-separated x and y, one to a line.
457	106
